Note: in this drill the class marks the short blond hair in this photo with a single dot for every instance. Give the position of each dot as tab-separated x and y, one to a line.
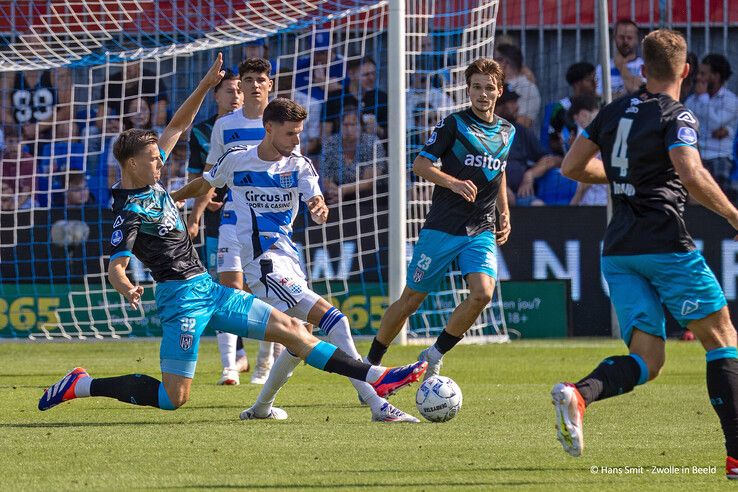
664	55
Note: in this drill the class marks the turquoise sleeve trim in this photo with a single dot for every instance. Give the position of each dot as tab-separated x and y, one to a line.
164	402
163	155
321	353
585	134
121	253
644	369
680	144
721	353
428	156
194	170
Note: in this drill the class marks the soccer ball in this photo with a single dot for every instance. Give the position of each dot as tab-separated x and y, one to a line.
438	399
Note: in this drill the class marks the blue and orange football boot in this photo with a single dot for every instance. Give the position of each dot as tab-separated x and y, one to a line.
395	378
63	390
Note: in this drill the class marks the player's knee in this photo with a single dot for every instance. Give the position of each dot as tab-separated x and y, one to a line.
411	300
481	297
178	395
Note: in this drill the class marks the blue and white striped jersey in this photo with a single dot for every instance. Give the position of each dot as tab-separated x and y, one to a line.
266	197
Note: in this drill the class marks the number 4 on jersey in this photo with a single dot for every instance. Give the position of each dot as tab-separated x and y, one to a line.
619	156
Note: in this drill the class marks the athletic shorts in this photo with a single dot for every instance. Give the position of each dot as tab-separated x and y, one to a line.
640	284
229	249
277	279
435	250
187	307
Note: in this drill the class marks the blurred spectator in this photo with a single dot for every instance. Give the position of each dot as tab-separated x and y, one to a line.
349	156
527	160
716	109
36	99
557	128
66	153
511	59
134	81
17	169
322	71
310	138
503	38
688	82
361	86
138	115
432	63
78	192
583	110
625	64
422	94
258	48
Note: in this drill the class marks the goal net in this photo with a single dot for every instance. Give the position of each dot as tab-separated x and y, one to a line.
76	73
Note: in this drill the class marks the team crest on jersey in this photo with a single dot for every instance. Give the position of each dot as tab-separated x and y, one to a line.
432	139
687	135
116	238
285	180
185	341
418	275
687	117
505	137
118	222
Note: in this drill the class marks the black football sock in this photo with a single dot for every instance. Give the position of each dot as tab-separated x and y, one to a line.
722	387
376	352
446	341
138	389
330	358
614	376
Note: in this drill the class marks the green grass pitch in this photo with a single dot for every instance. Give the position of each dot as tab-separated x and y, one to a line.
503	437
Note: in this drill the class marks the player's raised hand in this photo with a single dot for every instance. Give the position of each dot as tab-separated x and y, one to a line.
465	188
503	229
133	296
215	74
318	209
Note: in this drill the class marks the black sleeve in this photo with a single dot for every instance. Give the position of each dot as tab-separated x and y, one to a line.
682	130
440	140
125	231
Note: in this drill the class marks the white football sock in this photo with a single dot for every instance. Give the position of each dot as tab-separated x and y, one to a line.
227	348
264	357
82	389
280	373
434	354
375	372
340	336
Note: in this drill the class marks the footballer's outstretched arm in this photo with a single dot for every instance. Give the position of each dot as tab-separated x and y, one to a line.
581	165
700	184
117	277
425	168
186	113
197	187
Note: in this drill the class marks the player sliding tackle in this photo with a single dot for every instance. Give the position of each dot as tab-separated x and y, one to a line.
473	146
266	183
149	225
648	143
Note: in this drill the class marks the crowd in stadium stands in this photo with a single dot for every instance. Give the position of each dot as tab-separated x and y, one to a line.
347	128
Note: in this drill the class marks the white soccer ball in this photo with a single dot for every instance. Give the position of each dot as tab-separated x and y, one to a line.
438	399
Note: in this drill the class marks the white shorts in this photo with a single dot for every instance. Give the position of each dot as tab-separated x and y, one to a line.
278	280
229	250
